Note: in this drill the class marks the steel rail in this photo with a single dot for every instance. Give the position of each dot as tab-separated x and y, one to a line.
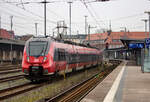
80	87
16	77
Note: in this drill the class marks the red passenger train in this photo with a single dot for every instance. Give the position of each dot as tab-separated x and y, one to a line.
46	56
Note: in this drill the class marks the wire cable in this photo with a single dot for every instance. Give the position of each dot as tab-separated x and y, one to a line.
31	12
91	14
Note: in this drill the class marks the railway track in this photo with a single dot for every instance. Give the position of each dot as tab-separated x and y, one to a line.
77	92
16	90
10	71
70	94
9	65
10	68
20	89
16	77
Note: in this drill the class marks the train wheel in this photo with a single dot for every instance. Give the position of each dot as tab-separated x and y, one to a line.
56	74
84	67
73	69
32	80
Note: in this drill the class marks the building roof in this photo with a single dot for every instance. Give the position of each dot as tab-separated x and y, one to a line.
118	35
6	34
130	35
138	35
114	38
97	36
127	35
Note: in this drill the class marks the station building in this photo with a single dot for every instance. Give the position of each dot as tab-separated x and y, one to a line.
10	49
113	39
123	45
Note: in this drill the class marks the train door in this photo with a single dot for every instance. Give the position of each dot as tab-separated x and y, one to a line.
56	59
67	56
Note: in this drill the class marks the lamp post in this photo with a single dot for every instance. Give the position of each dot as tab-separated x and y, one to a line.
145	20
36	28
89	29
11	46
85	25
148	12
70	18
45	17
0	25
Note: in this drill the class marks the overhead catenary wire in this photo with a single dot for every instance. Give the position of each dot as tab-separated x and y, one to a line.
23	18
18	26
126	17
91	13
22	28
38	19
58	16
14	4
20	16
133	27
115	19
34	14
96	15
22	25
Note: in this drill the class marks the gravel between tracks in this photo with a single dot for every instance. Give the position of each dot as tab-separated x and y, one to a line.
53	88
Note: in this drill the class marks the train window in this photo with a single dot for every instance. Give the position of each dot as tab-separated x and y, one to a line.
37	48
56	55
59	55
73	58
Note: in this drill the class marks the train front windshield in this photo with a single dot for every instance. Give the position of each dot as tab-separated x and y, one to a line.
37	48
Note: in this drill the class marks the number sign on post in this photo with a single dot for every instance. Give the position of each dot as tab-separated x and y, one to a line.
147	42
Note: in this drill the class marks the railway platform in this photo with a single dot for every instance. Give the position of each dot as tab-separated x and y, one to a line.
126	83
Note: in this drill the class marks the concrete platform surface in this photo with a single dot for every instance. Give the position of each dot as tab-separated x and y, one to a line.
125	84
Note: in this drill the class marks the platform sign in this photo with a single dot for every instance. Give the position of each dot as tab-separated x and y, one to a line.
147	42
136	45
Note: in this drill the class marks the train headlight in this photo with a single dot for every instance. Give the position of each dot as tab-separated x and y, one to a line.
45	58
28	59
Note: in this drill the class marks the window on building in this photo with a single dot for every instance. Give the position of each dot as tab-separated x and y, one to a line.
116	40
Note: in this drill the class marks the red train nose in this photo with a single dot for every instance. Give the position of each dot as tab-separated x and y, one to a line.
36	60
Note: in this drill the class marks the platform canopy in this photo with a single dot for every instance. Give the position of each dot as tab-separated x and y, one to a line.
10	41
127	42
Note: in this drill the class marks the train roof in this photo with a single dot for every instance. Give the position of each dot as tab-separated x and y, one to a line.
73	43
59	40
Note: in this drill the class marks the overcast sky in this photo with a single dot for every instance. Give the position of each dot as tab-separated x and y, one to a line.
121	13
